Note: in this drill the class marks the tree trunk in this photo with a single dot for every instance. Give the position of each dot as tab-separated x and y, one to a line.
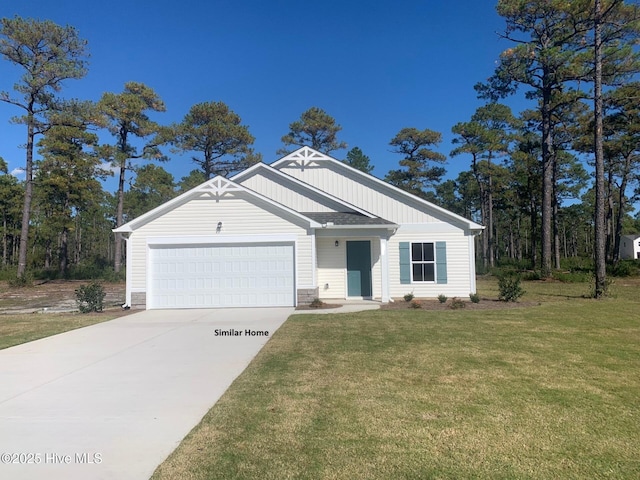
47	254
4	240
490	231
119	215
622	207
547	182
599	214
483	212
534	235
64	251
28	196
556	214
78	249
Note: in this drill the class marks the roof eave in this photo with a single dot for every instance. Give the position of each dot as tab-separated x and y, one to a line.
359	227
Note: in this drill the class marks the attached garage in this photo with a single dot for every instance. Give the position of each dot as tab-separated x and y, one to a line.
221	275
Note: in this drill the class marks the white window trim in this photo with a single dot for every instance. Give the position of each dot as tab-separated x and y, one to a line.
412	262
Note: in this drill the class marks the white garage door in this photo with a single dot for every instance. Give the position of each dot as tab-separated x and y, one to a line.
209	276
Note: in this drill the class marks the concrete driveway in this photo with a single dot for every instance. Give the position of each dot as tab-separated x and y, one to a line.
111	401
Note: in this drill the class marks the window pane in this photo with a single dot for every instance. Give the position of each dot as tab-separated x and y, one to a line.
429	272
428	252
416	252
418	275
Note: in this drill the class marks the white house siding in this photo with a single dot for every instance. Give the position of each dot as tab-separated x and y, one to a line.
458	261
360	191
630	246
331	270
289	193
332	263
239	213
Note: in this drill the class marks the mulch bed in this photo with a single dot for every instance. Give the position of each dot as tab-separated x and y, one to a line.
431	304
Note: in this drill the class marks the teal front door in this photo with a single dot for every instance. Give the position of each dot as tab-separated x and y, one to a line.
359	268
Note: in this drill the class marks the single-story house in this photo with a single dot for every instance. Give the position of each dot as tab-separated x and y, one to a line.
629	246
307	226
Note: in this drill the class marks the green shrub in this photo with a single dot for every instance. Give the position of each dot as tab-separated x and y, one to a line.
408	297
625	268
25	280
90	298
510	289
457	303
442	298
474	297
532	275
577	264
573	277
316	303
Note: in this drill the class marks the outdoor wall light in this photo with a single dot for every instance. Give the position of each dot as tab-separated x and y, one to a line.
337	243
326	286
219	227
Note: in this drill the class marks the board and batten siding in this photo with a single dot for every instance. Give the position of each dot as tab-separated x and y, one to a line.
332	266
239	213
457	256
361	191
289	193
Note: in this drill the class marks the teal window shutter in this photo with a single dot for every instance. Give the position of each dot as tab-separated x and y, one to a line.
441	262
405	263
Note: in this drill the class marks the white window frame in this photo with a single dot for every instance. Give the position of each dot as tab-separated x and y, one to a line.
423	262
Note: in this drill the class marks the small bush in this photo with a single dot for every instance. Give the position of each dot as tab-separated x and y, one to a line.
510	289
474	297
572	277
532	275
442	298
457	303
625	268
416	304
316	303
408	297
25	280
90	298
577	264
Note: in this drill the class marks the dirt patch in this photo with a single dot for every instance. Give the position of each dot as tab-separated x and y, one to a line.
53	296
431	304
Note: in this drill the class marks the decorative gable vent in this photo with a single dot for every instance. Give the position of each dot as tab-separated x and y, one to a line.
304	156
217	187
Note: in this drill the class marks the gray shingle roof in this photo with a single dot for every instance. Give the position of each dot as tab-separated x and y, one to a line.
345	218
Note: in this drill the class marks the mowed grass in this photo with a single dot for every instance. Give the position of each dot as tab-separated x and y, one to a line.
21	328
541	392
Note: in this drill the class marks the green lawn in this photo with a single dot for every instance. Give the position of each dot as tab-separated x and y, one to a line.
22	328
542	392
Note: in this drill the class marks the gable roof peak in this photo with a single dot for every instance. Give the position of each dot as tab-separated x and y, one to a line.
306	153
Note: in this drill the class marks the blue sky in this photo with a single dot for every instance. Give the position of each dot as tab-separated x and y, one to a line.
375	66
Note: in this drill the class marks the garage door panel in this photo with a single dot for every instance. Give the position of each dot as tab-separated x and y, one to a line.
222	276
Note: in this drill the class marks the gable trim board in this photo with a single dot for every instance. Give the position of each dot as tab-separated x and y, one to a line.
175	252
